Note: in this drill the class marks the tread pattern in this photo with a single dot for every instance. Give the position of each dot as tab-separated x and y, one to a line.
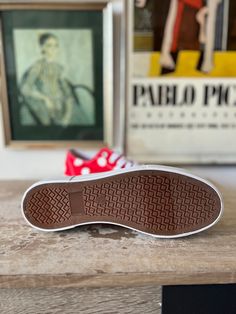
161	204
49	206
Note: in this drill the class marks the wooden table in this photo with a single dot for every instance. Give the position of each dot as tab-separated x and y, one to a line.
104	269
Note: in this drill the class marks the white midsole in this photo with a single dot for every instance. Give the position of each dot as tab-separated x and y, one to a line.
108	174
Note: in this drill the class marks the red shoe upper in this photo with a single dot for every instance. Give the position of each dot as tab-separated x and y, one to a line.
104	160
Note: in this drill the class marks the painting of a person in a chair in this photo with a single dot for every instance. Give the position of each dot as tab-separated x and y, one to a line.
49	94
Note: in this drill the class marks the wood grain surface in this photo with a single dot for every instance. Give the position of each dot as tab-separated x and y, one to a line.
110	256
86	301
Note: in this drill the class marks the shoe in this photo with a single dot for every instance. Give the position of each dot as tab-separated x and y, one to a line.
160	201
78	163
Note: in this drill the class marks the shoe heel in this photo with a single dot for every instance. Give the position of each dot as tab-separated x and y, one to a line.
47	206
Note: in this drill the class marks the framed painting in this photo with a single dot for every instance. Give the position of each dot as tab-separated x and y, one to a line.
56	73
181	88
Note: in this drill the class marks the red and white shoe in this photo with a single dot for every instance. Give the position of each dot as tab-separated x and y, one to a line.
78	163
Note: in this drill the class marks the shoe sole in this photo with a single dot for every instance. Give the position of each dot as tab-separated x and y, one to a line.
158	201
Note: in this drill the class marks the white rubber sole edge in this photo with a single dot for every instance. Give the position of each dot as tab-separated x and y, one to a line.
102	175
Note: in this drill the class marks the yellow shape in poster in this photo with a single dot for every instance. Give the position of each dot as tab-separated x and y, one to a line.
224	65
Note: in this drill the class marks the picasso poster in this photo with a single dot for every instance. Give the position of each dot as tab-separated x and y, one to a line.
181	87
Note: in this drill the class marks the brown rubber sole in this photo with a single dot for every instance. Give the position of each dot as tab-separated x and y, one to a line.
157	202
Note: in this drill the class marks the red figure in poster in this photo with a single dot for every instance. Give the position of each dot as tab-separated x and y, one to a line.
190	25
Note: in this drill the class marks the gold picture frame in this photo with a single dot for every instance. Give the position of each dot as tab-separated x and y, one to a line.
99	128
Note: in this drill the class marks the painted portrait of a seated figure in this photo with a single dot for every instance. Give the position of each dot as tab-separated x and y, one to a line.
55	79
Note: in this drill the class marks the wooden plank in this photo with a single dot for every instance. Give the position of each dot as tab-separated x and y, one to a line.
38	5
110	256
87	301
52	4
